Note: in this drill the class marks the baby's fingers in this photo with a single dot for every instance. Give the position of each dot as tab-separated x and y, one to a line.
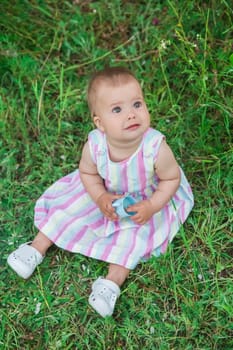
116	196
133	209
138	219
111	214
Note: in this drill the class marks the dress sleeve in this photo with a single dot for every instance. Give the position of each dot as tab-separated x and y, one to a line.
95	141
153	140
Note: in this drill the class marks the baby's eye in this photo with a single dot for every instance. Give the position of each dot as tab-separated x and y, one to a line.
137	104
116	109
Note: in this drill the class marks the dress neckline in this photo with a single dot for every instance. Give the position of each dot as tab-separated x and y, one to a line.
131	156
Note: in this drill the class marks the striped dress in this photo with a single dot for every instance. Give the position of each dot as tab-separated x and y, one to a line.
66	214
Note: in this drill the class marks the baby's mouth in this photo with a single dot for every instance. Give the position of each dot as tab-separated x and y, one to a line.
132	127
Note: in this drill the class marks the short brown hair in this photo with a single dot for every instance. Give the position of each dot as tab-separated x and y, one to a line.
113	75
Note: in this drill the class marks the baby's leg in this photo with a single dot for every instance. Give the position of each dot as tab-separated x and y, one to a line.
117	274
27	257
41	243
105	291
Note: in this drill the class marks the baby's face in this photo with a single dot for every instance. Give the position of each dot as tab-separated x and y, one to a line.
120	110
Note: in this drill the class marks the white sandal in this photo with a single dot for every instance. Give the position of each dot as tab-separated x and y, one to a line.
24	260
104	295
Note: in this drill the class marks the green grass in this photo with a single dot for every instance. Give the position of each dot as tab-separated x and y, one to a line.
48	49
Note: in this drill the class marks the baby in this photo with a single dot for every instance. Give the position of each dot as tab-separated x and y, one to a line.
123	157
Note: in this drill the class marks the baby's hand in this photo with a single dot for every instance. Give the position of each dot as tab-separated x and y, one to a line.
144	211
104	202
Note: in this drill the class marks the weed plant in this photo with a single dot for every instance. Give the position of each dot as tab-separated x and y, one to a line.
181	51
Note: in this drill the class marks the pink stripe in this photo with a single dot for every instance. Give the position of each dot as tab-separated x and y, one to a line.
68	203
149	247
123	179
52	211
95	225
42	224
131	249
167	220
176	197
77	238
182	212
65	179
88	252
109	248
63	228
107	180
164	246
40	210
61	194
95	152
141	170
155	145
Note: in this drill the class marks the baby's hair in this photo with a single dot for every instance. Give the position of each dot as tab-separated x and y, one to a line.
114	75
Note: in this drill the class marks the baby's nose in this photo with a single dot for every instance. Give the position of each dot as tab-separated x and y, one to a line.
131	114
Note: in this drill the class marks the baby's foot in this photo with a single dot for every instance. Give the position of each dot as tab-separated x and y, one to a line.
24	260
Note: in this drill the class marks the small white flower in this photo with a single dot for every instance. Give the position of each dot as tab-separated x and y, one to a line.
58	344
152	330
37	309
85	268
163	45
200	277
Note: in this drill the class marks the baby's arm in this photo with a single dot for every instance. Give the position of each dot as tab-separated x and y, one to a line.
94	185
168	172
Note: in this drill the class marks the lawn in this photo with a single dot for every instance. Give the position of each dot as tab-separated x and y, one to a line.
182	52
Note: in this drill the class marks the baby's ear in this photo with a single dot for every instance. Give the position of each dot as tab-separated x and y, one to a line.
98	123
